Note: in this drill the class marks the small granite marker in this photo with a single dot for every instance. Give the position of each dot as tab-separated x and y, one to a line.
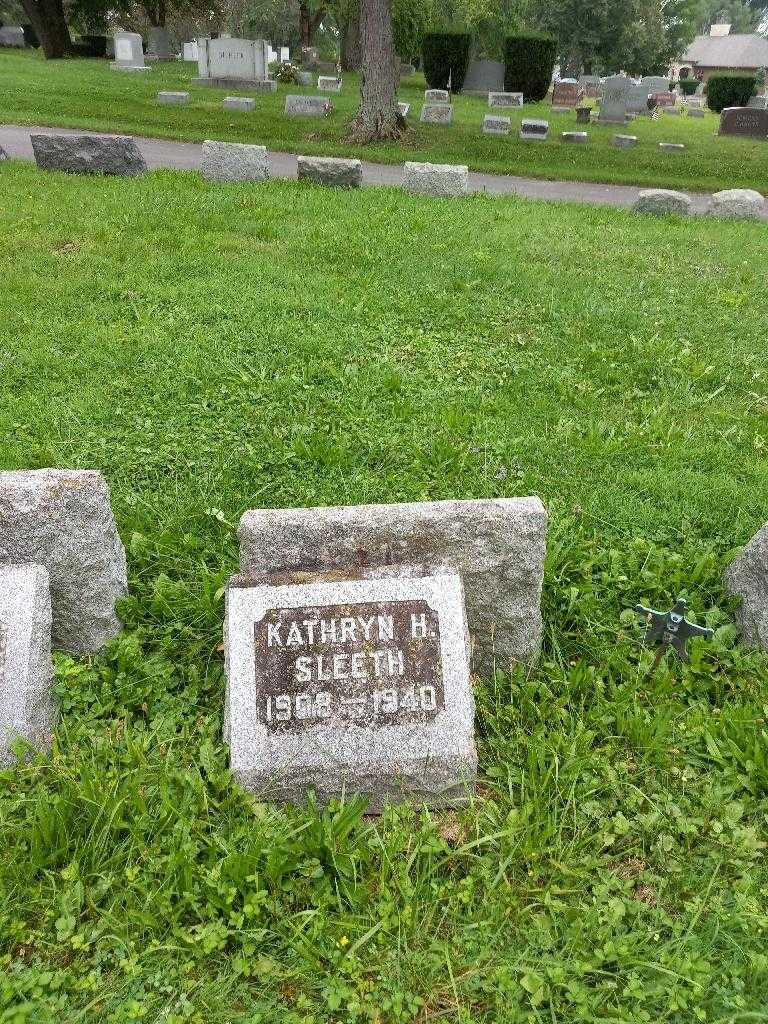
532	130
243	103
129	52
436	96
234	161
307	106
662	201
173	99
445	181
328	170
495	125
437	113
328	84
747	577
404	108
62	519
575	137
497	545
26	671
351	682
624	141
672	147
116	155
505	99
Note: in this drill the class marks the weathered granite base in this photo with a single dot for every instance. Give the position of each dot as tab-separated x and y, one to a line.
116	155
27	710
234	161
662	201
173	99
248	84
497	545
332	171
62	519
444	181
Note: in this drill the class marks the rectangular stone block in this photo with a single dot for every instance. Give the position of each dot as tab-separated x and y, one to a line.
116	155
307	106
62	519
27	710
326	170
350	682
173	99
437	96
578	137
327	84
437	113
494	125
505	99
497	546
243	103
234	161
534	130
441	180
129	52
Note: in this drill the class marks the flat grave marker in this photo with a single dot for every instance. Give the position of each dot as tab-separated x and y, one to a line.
493	124
437	113
354	682
505	99
307	106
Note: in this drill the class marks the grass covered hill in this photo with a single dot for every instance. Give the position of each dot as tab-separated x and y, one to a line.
214	348
86	94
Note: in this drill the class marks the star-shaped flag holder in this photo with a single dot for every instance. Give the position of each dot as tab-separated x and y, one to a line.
670	629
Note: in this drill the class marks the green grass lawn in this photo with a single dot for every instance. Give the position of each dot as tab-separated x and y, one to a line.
86	94
215	348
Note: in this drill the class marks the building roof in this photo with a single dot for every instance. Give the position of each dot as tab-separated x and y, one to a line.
737	51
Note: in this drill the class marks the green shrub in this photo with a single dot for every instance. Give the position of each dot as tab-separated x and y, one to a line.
529	59
285	72
688	86
729	89
446	57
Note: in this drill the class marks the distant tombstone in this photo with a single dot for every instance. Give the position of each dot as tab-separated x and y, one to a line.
694	102
310	56
355	685
27	711
590	86
758	103
62	519
613	101
304	78
190	51
744	121
327	67
327	84
567	94
238	62
493	124
436	96
129	52
159	44
404	109
244	104
532	130
505	99
655	83
483	76
665	98
436	113
637	98
578	137
583	115
307	106
12	35
173	99
696	112
406	70
624	141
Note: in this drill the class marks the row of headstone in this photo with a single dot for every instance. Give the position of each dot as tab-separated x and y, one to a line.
349	633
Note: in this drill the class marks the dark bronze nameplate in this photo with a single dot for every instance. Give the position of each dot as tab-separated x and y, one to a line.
373	664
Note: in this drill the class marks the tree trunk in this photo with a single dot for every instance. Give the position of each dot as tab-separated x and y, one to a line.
351	50
378	116
47	19
309	23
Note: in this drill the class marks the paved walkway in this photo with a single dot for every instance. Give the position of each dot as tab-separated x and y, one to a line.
187	156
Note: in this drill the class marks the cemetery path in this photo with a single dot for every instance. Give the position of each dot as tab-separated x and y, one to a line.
187	156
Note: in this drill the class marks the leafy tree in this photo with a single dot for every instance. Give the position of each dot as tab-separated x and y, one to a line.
741	15
660	32
50	24
589	33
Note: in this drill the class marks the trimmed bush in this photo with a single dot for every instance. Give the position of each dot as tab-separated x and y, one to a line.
729	89
446	55
529	59
688	86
